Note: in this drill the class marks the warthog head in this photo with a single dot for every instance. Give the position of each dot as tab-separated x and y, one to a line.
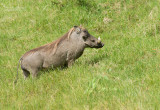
87	38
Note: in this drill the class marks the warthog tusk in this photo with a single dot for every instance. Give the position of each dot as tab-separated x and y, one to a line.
99	39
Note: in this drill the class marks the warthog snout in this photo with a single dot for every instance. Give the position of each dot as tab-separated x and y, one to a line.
100	44
93	42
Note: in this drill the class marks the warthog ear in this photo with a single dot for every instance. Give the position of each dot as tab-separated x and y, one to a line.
78	30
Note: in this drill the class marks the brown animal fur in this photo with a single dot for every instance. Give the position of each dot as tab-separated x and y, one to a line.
51	46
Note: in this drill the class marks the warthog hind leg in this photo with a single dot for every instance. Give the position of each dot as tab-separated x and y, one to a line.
34	72
26	73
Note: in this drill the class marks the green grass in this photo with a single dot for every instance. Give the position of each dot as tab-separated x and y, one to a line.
123	75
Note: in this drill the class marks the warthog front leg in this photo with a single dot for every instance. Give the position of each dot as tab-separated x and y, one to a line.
71	62
70	59
45	65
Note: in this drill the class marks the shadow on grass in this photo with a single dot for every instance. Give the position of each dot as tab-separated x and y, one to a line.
48	70
97	59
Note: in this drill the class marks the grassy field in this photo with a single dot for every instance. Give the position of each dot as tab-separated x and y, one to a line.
123	75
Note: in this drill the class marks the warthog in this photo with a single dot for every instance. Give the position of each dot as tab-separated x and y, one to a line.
62	52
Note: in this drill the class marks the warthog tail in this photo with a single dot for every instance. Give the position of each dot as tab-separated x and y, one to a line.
17	71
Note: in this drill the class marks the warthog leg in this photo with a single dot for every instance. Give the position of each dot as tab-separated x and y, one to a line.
34	72
70	63
26	73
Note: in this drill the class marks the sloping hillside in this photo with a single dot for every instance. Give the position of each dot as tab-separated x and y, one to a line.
124	74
